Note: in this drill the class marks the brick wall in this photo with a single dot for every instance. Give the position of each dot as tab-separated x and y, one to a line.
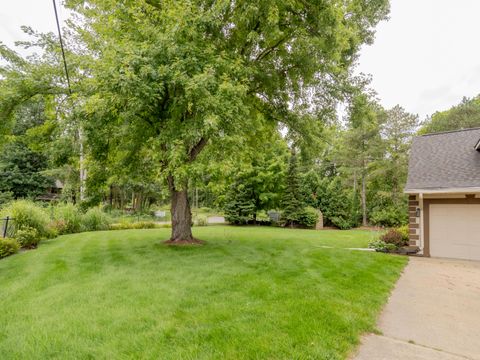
413	220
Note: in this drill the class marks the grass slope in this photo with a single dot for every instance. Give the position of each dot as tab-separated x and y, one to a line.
250	293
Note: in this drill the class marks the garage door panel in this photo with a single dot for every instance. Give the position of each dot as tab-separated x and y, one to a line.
455	231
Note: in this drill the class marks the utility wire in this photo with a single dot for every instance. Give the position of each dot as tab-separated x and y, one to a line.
61	45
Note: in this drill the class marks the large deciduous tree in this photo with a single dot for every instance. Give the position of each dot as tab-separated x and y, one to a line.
175	77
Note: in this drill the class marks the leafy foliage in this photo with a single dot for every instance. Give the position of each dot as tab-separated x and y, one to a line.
27	215
308	217
390	216
135	225
95	219
67	218
382	246
21	171
158	82
394	237
5	197
463	116
27	237
8	247
259	179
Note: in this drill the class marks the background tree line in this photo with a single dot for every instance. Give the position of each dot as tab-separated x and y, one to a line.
240	118
354	175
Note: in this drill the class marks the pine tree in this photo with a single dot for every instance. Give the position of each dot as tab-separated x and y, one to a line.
240	205
292	202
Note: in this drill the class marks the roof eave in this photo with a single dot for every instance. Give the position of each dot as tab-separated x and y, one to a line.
443	190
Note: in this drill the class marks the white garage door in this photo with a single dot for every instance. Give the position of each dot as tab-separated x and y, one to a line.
455	231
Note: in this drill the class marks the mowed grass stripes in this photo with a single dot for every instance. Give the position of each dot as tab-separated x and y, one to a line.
249	293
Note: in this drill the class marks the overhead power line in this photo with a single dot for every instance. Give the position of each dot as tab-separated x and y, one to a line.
61	46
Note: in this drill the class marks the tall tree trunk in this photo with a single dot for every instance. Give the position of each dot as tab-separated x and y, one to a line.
364	200
83	170
110	197
355	182
181	214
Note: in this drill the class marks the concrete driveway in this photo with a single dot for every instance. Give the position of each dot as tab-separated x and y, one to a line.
433	313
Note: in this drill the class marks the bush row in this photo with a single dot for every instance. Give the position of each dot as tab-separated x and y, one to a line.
33	223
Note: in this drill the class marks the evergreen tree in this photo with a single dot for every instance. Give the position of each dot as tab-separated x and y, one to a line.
21	171
293	203
240	205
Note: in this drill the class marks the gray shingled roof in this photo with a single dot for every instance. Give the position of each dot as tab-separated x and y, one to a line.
445	160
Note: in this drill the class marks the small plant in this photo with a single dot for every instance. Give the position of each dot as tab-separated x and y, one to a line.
27	237
8	247
382	246
394	237
404	230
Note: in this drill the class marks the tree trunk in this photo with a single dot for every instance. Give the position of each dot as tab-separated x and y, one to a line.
364	201
83	170
181	214
110	197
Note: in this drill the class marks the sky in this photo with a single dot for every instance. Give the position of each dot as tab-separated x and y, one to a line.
425	57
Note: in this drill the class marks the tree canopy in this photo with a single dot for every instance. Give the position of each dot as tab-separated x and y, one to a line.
163	80
462	116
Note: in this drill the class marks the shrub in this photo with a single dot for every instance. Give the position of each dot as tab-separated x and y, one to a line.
95	219
136	225
68	219
308	217
389	216
394	237
404	230
27	237
201	220
382	246
27	214
341	223
52	231
8	247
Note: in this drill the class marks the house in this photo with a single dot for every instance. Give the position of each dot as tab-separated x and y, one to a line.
53	193
444	194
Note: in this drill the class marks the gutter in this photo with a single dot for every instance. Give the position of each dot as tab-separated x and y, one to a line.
443	191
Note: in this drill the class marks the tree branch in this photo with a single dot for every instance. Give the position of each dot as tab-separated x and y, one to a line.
268	50
197	149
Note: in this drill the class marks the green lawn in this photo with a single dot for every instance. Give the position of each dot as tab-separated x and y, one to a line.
250	293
